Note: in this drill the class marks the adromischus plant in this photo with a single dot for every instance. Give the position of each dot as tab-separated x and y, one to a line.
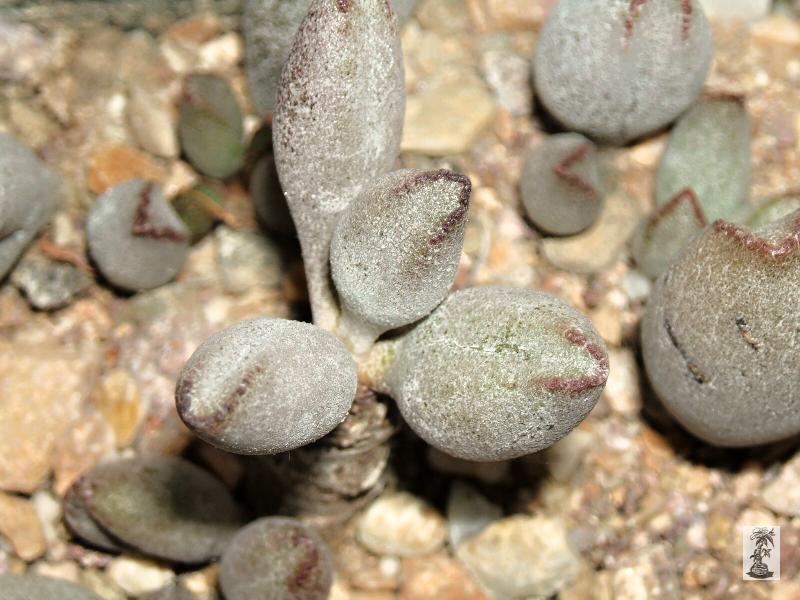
703	175
211	126
240	390
560	185
496	372
337	124
135	236
618	69
276	559
771	209
29	193
396	249
721	334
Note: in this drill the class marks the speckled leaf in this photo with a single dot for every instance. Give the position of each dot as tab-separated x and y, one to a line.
498	372
722	330
135	236
618	69
268	198
337	124
163	506
276	559
396	250
560	184
34	587
660	238
210	125
265	386
709	151
269	27
80	521
29	192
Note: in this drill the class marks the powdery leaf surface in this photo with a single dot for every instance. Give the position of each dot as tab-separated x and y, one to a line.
498	372
276	559
337	124
721	334
266	385
269	27
560	184
163	506
135	236
618	69
29	193
709	152
396	248
34	587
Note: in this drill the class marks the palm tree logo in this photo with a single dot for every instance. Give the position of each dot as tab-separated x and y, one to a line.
764	537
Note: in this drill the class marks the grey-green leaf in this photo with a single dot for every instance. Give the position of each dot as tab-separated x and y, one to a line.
135	237
163	506
276	559
29	193
772	209
80	521
498	372
337	124
269	27
396	250
721	334
34	587
560	184
708	151
618	69
265	386
211	125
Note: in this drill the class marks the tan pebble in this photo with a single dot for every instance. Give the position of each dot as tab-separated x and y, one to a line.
623	389
20	524
88	440
437	577
114	163
399	524
138	576
117	399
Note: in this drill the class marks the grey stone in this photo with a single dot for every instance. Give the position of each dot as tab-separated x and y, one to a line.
468	513
34	587
49	285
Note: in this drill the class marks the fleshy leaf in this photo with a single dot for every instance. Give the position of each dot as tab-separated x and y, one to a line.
337	124
772	209
135	236
211	126
560	184
269	27
396	250
29	193
618	69
276	559
35	587
721	333
709	151
265	386
498	372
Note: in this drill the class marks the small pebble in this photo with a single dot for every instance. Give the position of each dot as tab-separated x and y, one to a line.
49	285
138	576
399	524
34	587
468	513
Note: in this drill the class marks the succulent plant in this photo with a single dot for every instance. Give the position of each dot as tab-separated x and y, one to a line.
276	559
135	237
337	124
703	175
772	209
35	587
29	193
719	339
254	387
498	372
198	208
269	27
396	249
174	591
210	125
618	69
266	192
560	184
161	506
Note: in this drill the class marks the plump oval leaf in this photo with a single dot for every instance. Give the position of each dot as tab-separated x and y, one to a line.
266	385
34	587
498	372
